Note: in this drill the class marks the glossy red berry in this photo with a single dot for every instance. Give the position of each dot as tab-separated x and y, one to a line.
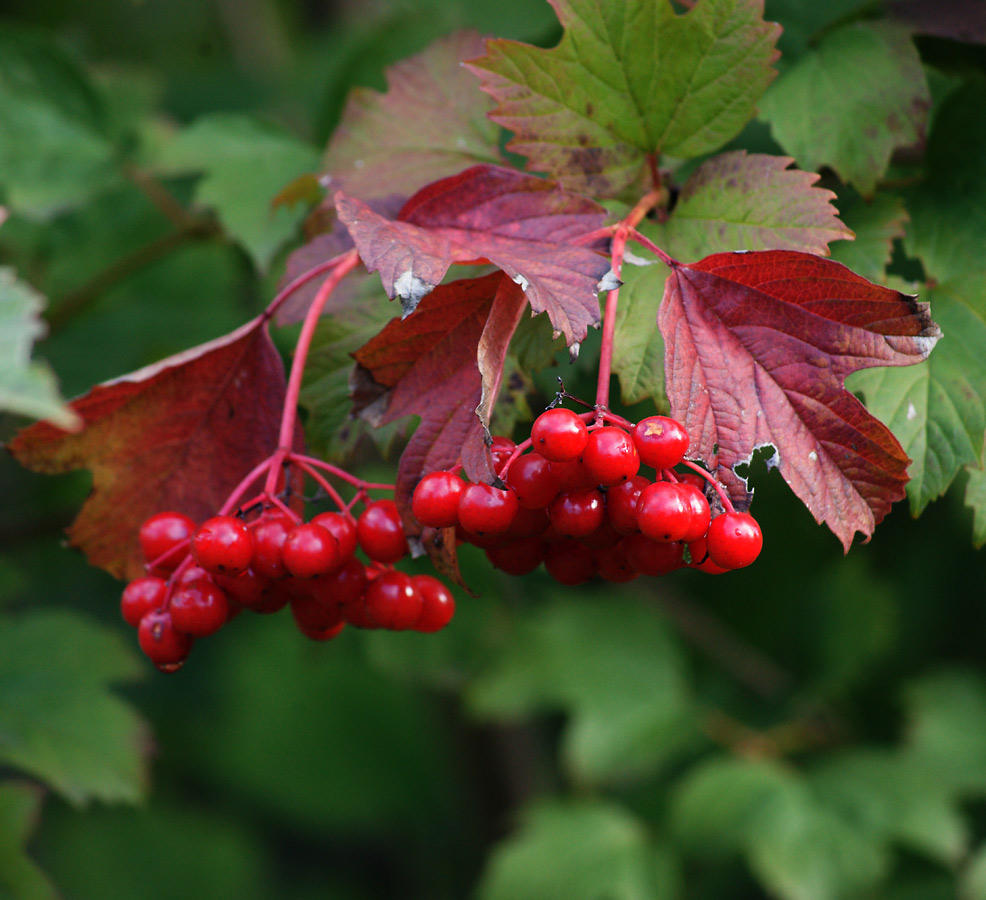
698	507
559	435
621	504
614	566
311	614
247	589
532	479
392	601
437	604
199	608
663	512
661	441
610	456
223	544
572	476
577	514
650	557
485	509
435	501
342	528
310	550
569	563
380	532
734	540
344	587
141	596
501	450
162	643
163	538
518	557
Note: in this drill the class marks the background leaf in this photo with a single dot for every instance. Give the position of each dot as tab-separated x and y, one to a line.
20	877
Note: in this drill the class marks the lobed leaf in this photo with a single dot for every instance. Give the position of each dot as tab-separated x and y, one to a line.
526	226
179	434
876	223
629	81
759	346
849	103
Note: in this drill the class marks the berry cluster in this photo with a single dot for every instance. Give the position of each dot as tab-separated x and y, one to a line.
577	503
201	576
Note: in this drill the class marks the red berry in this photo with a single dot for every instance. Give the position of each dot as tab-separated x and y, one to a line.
579	513
533	481
199	608
163	644
437	604
392	601
527	523
518	557
311	614
650	557
569	563
663	512
344	587
269	534
661	441
247	589
700	559
572	475
321	634
484	509
501	450
610	456
342	528
142	596
162	537
435	501
309	550
698	507
621	504
614	565
734	540
559	435
380	532
223	544
604	537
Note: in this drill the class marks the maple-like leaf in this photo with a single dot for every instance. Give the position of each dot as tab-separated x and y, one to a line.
179	434
430	123
628	81
758	348
443	363
523	224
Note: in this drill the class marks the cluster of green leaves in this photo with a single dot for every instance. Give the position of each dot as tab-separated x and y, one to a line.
662	742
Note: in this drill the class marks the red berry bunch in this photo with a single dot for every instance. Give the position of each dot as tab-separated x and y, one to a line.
333	570
577	503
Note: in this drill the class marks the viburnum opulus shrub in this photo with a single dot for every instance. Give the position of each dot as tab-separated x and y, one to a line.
205	498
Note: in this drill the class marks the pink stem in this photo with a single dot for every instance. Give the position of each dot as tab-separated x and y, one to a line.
303	464
723	496
299	282
241	488
650	245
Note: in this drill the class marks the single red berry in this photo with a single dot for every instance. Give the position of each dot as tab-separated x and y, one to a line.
533	481
579	513
309	550
604	537
199	608
650	557
698	507
484	509
572	476
223	544
321	634
663	512
162	539
344	587
393	601
380	532
690	476
437	604
610	456
501	450
162	643
519	557
661	441
734	540
247	589
192	573
621	504
342	528
141	596
614	565
569	563
311	614
527	523
559	435
435	501
699	558
269	534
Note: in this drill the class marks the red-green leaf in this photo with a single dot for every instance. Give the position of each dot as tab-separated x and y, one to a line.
179	434
431	123
759	346
443	363
630	80
524	225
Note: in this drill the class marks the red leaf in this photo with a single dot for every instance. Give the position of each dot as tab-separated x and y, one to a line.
179	434
759	346
522	224
441	362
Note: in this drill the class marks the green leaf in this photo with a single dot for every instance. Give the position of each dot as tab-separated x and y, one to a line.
638	348
53	154
20	877
621	679
740	201
975	498
58	720
937	409
580	850
628	81
26	388
851	102
973	878
877	224
244	163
